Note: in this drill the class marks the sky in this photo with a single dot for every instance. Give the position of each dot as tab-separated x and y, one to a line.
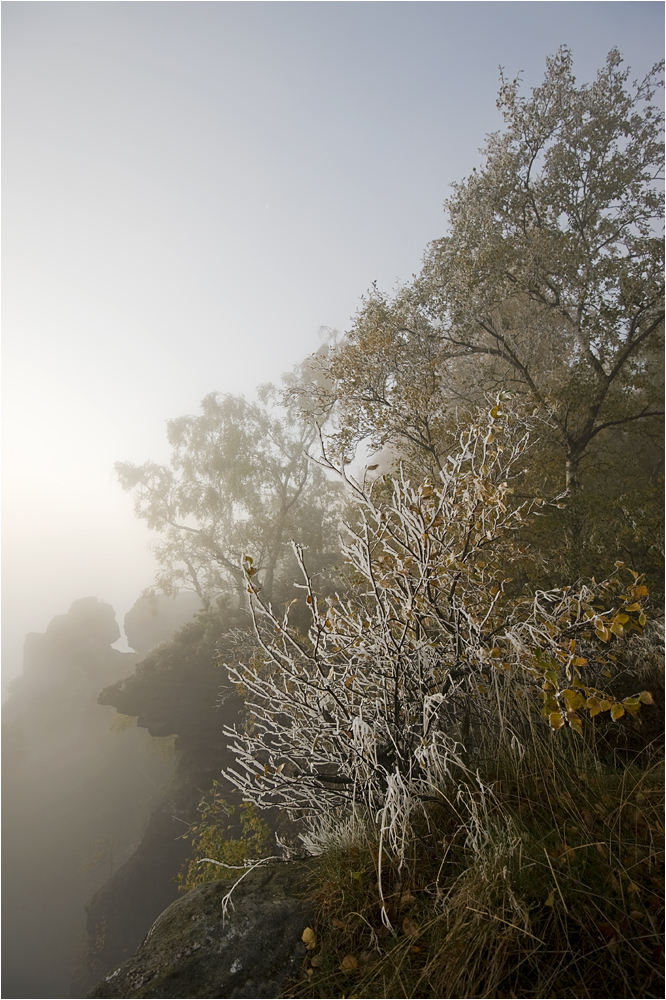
191	192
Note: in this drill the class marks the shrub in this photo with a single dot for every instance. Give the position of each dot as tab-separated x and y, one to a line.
388	701
211	839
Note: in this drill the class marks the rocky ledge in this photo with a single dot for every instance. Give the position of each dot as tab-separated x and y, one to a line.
193	950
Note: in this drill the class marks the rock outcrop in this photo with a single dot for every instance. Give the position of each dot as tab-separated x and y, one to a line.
194	950
178	689
76	794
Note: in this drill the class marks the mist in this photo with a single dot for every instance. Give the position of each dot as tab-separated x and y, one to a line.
193	195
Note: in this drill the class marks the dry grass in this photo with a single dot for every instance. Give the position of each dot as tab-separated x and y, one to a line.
563	899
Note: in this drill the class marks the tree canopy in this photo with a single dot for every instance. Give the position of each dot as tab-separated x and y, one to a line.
549	280
239	482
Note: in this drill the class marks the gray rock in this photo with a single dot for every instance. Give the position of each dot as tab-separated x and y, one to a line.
193	951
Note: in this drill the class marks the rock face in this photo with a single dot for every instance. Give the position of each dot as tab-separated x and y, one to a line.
192	950
76	794
151	620
181	689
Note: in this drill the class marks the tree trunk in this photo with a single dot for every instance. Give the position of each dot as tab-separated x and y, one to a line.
572	480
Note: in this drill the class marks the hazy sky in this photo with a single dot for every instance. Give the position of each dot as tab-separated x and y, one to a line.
190	191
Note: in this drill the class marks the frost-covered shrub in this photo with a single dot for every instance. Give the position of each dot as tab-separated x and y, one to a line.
378	705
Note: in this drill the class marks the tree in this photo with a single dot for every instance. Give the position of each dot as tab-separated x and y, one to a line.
549	281
553	263
239	481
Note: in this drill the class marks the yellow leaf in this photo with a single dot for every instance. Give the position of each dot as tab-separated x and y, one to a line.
348	964
632	607
642	618
617	711
572	699
309	939
604	705
593	705
579	661
646	698
316	961
551	899
556	720
617	629
602	633
640	591
621	618
407	899
339	925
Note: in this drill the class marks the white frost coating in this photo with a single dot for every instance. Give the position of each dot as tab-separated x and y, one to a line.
370	713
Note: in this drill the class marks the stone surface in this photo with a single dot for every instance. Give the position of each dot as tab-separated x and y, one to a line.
192	950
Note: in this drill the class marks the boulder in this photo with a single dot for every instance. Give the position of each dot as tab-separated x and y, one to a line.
194	950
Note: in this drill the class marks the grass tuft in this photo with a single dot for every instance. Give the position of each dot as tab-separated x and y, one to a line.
562	896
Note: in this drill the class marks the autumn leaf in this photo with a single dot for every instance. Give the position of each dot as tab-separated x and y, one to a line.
348	964
617	711
309	939
646	698
551	899
593	706
572	699
556	720
409	927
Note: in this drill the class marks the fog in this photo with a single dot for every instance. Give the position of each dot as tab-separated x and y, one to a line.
191	192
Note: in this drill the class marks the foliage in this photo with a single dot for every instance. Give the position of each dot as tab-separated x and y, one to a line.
549	282
210	838
552	263
239	478
430	645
